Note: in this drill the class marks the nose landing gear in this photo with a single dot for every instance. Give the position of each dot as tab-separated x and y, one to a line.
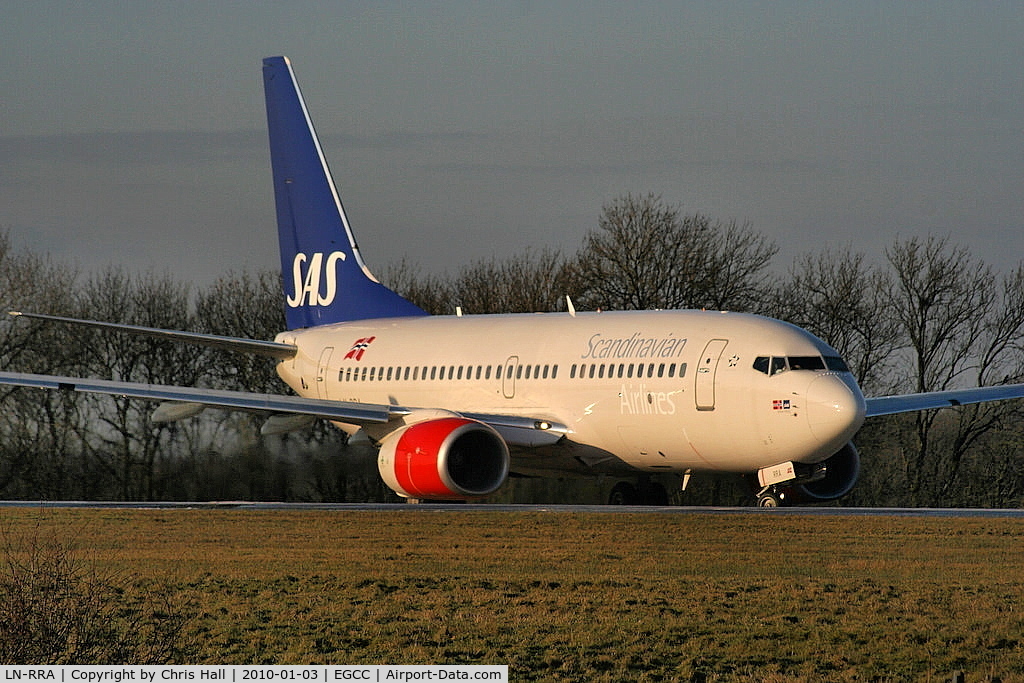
770	497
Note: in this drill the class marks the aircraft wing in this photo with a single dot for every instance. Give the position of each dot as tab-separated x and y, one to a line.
516	430
354	413
909	403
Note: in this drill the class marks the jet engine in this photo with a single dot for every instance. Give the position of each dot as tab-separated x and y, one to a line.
451	458
840	473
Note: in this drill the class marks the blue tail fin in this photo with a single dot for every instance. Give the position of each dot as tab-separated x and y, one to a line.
325	278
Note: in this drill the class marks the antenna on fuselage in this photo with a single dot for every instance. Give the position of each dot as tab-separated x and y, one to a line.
568	303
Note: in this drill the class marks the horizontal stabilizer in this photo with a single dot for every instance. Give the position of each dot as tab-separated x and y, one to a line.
252	346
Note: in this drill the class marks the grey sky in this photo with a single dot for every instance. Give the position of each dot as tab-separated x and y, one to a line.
134	132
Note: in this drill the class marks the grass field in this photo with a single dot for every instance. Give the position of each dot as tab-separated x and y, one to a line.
567	596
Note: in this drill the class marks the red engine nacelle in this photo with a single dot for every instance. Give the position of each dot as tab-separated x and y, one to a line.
450	458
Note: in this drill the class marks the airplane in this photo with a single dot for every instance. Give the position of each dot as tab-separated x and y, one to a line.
458	403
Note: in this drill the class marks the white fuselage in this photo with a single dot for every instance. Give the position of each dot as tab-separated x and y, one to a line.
658	390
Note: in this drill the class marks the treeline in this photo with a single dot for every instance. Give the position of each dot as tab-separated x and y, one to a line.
924	316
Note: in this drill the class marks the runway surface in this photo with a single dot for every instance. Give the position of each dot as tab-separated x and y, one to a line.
553	509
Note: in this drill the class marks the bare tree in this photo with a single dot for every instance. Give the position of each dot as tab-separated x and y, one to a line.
732	276
844	301
960	328
529	282
38	442
646	254
243	305
430	292
121	439
526	283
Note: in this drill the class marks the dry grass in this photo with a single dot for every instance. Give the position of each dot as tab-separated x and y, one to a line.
563	596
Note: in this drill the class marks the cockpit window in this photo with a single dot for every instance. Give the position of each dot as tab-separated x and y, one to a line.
806	363
773	365
770	365
836	364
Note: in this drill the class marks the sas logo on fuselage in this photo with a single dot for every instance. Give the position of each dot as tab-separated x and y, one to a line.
315	283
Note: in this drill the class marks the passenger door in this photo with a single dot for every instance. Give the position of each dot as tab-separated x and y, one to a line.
704	390
321	372
508	378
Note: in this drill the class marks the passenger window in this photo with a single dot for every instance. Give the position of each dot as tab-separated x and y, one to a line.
554	372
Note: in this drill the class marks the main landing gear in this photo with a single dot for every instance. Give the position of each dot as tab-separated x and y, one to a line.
646	492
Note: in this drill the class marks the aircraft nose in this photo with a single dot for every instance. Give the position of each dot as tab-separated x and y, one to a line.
835	409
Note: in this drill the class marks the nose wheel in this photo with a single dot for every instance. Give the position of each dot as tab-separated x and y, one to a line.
769	497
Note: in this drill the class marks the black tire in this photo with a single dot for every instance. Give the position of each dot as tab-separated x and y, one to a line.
624	493
654	494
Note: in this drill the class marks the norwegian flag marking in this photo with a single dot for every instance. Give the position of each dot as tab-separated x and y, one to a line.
356	352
